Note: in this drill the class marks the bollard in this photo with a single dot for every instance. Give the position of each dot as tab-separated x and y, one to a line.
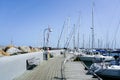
48	53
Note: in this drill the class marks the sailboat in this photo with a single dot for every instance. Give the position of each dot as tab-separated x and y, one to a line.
106	70
109	71
95	57
91	54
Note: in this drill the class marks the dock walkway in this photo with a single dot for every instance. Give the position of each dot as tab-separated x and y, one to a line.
48	70
74	70
52	69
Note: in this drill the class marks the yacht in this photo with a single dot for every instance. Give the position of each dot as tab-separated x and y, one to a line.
95	57
106	71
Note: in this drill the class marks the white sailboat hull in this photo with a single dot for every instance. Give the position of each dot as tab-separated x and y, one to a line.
95	58
110	73
106	71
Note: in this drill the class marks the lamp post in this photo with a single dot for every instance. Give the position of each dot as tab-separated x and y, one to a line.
45	43
48	31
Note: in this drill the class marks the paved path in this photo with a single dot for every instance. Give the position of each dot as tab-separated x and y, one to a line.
48	70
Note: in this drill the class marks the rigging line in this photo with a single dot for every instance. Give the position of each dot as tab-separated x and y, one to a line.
67	31
68	40
78	31
72	33
74	37
114	37
113	15
61	35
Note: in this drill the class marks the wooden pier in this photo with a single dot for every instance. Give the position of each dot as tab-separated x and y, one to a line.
76	71
57	69
48	70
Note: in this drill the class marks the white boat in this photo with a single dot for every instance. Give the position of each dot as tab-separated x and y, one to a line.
106	71
95	57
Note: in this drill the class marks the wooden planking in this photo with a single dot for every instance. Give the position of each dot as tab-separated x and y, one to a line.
51	70
48	70
75	71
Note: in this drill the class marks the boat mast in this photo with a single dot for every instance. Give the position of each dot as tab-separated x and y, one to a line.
83	41
78	39
101	43
89	41
11	42
98	43
74	37
92	28
78	33
107	42
115	45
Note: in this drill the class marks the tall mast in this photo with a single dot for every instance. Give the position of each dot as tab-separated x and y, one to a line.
98	43
107	40
78	32
11	41
92	28
115	45
83	40
89	41
74	37
78	39
101	43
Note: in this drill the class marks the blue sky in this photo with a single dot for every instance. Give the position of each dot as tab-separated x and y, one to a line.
24	21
